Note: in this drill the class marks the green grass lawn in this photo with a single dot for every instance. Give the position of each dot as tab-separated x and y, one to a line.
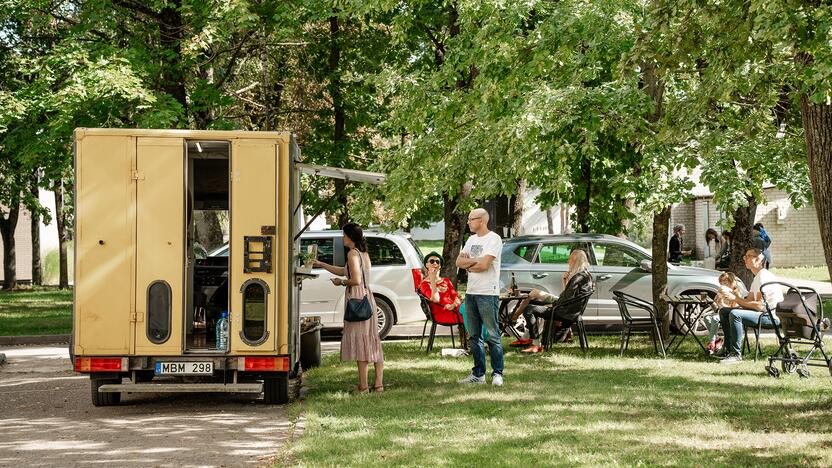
804	273
566	408
39	311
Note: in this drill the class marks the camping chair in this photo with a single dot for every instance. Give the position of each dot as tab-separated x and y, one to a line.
801	316
580	301
424	302
632	324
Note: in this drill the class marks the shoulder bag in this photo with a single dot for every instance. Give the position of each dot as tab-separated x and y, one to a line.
359	310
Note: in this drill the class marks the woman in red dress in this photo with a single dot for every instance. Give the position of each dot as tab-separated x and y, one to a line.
444	301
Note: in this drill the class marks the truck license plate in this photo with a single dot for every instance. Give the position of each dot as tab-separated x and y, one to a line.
185	367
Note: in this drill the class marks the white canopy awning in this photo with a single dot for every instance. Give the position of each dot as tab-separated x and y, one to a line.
350	175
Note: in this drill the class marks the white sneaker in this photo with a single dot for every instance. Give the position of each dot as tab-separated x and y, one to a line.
497	380
473	379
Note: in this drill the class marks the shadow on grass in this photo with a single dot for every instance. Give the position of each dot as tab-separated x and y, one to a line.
564	407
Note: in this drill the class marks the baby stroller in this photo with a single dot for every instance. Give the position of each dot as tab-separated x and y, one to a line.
801	323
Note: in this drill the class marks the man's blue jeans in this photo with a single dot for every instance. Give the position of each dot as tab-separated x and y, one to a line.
481	311
732	321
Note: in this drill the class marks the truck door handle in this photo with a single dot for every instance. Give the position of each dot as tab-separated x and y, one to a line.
604	277
539	275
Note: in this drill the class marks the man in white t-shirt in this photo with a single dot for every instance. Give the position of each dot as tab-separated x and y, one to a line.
481	257
750	309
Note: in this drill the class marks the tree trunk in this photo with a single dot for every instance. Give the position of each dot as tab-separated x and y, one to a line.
550	220
817	127
7	227
37	270
338	114
517	211
209	230
741	235
455	225
171	31
583	203
659	251
63	281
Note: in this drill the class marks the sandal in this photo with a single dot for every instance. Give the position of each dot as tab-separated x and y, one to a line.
377	389
360	391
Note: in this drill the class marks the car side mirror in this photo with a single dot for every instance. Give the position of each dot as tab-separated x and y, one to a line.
647	266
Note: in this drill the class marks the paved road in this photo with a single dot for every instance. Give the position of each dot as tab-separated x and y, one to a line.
47	419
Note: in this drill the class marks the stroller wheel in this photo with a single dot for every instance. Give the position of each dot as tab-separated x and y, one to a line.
790	362
772	371
803	372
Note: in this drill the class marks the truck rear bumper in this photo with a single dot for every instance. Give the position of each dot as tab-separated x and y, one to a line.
182	388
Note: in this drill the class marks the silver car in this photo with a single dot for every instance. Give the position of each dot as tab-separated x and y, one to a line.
616	264
397	264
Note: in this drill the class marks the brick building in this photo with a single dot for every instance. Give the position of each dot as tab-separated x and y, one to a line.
795	233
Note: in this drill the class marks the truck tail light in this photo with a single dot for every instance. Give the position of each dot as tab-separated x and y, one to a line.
108	364
417	278
264	364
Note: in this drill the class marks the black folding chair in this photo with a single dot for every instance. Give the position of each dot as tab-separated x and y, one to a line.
801	316
424	302
579	301
630	324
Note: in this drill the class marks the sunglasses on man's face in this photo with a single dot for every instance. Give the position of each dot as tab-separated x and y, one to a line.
434	260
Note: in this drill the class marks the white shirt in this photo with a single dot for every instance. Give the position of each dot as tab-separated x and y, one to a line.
486	283
773	293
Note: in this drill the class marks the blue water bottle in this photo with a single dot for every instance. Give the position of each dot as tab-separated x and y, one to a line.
222	331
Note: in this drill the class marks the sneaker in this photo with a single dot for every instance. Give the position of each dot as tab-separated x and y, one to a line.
497	380
732	359
473	379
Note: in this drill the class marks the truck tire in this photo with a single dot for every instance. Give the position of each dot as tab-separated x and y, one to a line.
276	390
384	311
100	398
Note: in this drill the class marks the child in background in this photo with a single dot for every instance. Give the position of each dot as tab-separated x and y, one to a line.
728	284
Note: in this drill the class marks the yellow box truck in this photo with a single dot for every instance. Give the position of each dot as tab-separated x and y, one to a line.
153	311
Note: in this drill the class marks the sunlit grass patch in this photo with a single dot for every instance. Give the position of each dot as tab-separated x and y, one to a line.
37	311
567	408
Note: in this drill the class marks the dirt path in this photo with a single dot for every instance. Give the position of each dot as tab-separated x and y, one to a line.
47	419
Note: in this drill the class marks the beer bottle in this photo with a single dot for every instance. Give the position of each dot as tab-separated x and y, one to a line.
513	291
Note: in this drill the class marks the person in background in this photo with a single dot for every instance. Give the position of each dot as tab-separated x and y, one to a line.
764	241
675	252
444	301
714	247
723	258
360	341
749	310
575	281
481	257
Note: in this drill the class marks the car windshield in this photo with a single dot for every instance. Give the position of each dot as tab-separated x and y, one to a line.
221	251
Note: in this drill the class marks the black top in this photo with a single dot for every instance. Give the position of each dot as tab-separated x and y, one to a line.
675	252
579	284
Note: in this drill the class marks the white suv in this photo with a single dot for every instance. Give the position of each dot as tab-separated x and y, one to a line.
397	265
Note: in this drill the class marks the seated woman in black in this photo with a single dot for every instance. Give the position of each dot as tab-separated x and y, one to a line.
576	281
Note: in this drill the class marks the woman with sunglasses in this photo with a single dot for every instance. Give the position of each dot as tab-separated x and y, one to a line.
444	301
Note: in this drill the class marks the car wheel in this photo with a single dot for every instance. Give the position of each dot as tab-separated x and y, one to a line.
384	313
101	398
276	390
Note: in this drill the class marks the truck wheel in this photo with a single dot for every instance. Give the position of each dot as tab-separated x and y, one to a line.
384	312
276	390
101	398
